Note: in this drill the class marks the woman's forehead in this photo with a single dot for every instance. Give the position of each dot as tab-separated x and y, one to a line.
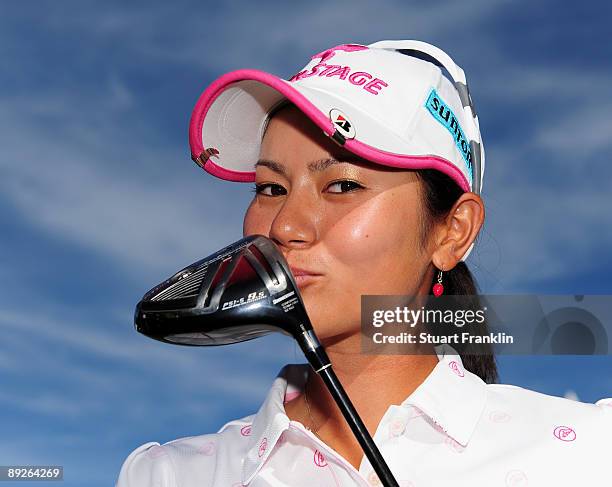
351	166
290	134
291	138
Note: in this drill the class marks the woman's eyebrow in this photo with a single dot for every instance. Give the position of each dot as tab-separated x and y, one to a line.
314	166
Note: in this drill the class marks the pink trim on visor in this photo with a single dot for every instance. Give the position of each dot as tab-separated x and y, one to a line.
319	118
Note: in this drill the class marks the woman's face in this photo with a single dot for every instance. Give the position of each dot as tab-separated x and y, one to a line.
354	224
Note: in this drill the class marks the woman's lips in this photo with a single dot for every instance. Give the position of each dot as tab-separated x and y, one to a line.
303	277
296	271
304	280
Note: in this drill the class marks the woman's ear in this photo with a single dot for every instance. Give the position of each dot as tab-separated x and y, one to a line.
458	230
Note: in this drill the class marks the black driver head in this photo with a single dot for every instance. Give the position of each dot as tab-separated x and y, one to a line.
241	292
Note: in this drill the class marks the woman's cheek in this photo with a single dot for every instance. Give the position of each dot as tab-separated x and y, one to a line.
364	239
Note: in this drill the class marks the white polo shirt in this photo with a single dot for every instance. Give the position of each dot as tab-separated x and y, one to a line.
453	430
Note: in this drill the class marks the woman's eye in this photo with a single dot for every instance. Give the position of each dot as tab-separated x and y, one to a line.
345	186
275	189
271	189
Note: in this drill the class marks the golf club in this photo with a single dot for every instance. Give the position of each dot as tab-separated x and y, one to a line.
241	292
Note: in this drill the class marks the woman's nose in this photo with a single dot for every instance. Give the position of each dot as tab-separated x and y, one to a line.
297	221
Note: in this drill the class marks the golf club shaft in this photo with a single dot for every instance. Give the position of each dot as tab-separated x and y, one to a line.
319	361
359	430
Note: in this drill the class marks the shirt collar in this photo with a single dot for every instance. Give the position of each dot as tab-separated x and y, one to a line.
271	419
450	396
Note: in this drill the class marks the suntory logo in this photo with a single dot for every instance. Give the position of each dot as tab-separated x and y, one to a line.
443	114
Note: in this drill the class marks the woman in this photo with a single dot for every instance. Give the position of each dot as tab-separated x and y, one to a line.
368	174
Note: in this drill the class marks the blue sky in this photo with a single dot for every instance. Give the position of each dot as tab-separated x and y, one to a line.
94	108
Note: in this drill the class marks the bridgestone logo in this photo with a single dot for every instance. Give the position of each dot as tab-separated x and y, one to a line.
443	114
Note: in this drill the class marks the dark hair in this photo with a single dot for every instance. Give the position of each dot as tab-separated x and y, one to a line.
440	193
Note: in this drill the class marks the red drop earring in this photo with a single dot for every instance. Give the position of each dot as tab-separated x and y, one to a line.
438	288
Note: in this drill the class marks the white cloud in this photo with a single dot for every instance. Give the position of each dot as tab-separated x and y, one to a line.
61	182
47	403
547	183
534	234
242	33
37	334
